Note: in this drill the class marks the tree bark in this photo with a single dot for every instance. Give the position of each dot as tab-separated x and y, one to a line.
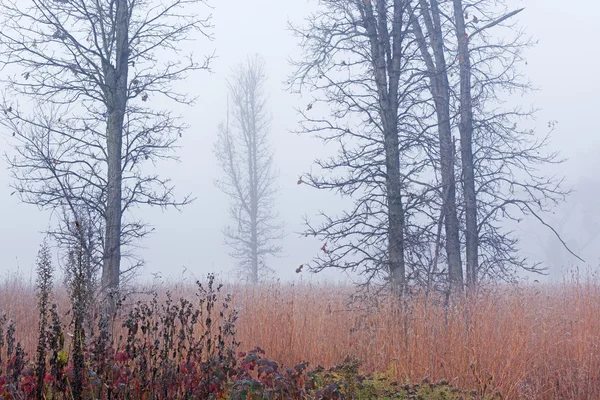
116	100
466	146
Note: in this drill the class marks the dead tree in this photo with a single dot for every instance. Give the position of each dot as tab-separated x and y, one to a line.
358	62
90	70
243	152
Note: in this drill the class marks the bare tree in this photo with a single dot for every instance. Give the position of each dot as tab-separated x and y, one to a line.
428	29
501	160
466	144
471	54
243	152
90	69
468	72
358	64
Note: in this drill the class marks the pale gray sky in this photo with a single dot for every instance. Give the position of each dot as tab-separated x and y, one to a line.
564	65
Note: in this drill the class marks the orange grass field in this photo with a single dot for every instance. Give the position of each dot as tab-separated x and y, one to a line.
536	341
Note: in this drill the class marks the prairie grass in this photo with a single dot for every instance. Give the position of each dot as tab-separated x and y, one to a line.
527	342
537	341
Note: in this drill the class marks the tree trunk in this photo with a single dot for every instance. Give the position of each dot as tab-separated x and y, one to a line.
466	146
254	180
386	66
116	100
395	209
442	101
254	226
440	90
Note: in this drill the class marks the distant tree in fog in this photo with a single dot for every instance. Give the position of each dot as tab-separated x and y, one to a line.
245	156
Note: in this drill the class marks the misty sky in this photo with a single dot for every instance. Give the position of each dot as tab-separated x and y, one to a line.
565	66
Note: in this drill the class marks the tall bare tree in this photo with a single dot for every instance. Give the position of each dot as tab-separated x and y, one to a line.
429	33
90	69
243	152
458	61
466	144
500	160
358	65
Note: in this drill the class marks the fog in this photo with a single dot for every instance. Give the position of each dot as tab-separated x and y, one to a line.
564	66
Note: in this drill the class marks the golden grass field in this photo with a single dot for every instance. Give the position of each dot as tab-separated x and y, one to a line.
538	341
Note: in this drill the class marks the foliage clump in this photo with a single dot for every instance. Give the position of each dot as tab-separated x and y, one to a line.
352	384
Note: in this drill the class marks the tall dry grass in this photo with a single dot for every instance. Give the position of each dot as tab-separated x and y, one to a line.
528	342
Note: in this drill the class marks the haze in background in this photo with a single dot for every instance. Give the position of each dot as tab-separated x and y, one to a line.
564	65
